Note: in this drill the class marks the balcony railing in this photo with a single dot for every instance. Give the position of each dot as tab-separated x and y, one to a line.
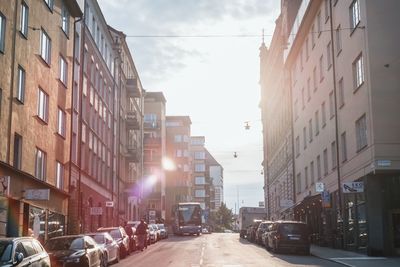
132	88
151	125
156	141
132	120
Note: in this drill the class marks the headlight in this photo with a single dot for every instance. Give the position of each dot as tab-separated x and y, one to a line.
180	227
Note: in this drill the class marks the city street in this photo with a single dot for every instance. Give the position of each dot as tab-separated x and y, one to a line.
214	250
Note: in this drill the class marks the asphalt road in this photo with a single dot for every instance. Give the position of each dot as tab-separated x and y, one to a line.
214	250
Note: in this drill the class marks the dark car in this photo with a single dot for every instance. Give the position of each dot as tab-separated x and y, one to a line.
251	233
119	234
289	236
22	251
74	251
262	227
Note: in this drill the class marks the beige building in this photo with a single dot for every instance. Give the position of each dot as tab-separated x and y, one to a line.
342	57
276	117
154	140
201	179
36	62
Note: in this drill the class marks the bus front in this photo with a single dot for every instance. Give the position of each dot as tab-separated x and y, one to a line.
188	218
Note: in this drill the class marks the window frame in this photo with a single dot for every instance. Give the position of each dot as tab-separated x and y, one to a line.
358	72
355	14
45	47
361	133
21	84
60	174
343	140
3	22
24	20
61	122
63	65
65	20
42	175
17	157
43	114
49	4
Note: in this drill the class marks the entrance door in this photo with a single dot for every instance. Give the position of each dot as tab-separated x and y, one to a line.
396	231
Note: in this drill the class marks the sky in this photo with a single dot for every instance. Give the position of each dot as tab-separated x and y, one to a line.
214	80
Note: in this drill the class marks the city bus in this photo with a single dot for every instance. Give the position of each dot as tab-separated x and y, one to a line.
187	218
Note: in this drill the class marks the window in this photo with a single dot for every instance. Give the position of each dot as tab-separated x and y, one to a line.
84	86
2	32
298	183
323	110
358	72
40	165
50	4
59	175
329	55
321	68
312	174
65	20
45	47
310	131
296	109
200	180
338	39
297	146
361	132
43	105
354	14
21	84
313	36
63	71
326	161
23	27
17	151
305	137
341	93
344	146
1	97
61	122
199	155
178	138
308	89
200	193
319	24
91	97
303	104
319	167
306	177
333	148
199	167
316	122
315	79
83	133
331	105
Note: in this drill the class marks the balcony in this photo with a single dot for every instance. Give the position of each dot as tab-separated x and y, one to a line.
151	125
132	88
133	153
152	141
132	120
152	159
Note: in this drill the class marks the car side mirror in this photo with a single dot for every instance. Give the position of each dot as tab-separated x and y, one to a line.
19	257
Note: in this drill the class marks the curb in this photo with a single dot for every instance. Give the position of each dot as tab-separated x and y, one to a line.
332	260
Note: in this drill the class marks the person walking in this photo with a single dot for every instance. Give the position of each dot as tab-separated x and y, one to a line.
141	231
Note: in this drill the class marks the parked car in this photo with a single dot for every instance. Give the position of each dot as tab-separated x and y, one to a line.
119	234
264	236
22	251
74	250
251	231
163	230
262	227
157	230
153	234
108	246
289	236
135	224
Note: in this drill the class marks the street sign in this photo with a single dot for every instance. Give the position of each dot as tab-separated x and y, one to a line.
37	194
96	211
319	187
326	199
109	204
261	204
384	163
4	186
353	187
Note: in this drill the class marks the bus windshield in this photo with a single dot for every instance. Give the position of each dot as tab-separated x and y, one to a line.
189	214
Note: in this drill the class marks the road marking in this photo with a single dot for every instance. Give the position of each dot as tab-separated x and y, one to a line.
202	254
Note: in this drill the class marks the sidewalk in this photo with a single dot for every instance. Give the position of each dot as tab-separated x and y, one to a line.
353	259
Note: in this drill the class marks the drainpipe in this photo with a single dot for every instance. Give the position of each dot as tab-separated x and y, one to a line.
336	123
11	98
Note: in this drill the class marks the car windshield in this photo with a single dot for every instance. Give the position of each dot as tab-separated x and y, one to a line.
115	233
67	243
5	251
98	238
161	226
292	228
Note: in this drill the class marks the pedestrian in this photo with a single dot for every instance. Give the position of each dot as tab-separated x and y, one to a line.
129	232
141	231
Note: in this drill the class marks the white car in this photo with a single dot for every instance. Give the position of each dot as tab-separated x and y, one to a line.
108	246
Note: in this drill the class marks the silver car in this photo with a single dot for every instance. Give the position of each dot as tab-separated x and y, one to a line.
109	247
